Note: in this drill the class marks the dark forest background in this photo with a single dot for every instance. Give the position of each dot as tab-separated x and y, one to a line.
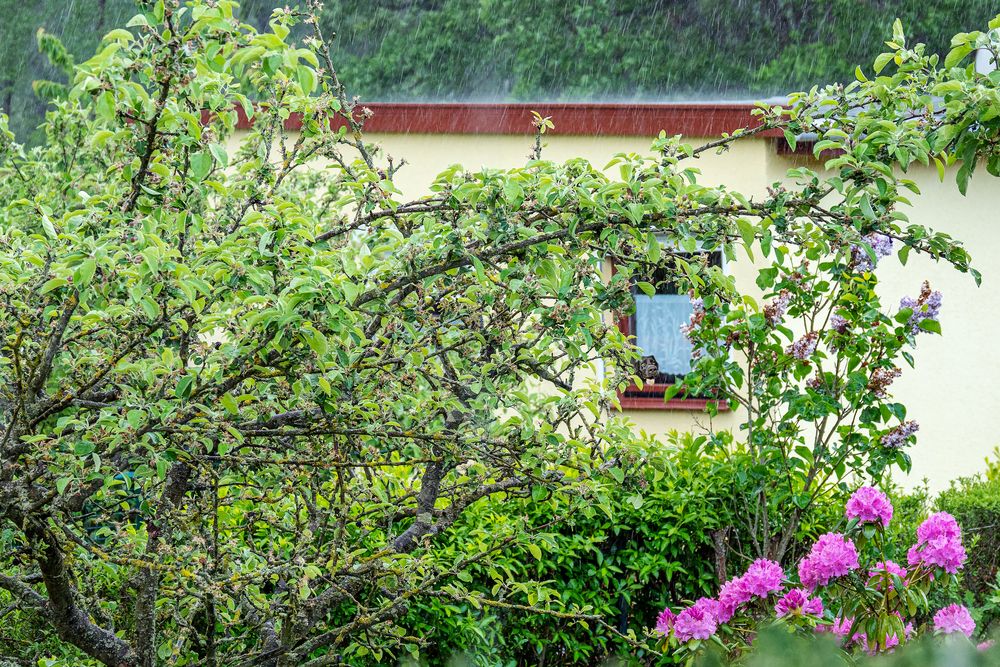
529	50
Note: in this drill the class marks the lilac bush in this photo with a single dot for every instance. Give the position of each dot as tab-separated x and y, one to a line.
845	586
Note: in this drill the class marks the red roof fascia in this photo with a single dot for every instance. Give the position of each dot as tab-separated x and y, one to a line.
584	119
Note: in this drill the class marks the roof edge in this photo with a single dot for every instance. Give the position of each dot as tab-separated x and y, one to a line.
581	119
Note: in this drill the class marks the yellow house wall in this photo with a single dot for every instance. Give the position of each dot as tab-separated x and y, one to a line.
949	392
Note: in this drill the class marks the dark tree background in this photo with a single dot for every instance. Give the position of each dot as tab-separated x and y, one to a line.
533	49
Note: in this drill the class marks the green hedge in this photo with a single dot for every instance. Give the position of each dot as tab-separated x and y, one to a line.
657	547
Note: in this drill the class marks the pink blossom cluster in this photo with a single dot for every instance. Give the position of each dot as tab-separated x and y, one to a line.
665	621
699	621
797	602
869	505
697	315
939	544
841	627
831	557
954	618
879	570
834	555
762	578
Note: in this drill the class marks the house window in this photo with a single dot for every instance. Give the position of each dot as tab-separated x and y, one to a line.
655	327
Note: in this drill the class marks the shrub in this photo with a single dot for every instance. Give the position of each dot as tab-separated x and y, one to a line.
975	501
659	540
846	586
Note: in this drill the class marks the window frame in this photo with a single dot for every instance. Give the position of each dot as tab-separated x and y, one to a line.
651	395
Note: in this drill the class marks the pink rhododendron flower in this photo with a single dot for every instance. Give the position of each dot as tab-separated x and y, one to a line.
839	627
797	602
986	645
954	618
877	573
732	595
697	621
939	544
665	621
763	577
860	638
832	556
869	505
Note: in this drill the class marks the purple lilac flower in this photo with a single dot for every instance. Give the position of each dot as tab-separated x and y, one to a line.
881	379
927	306
838	323
775	311
897	437
954	618
697	315
939	544
797	602
879	570
869	505
665	621
832	556
880	244
804	347
697	621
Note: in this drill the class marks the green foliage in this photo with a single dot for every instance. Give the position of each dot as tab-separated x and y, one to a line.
975	502
654	545
529	50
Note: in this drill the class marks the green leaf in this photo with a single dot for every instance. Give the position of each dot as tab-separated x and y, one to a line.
49	228
52	284
201	165
747	232
866	207
930	325
882	60
184	386
653	248
104	106
957	55
535	551
229	403
306	78
85	272
646	288
317	341
220	154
